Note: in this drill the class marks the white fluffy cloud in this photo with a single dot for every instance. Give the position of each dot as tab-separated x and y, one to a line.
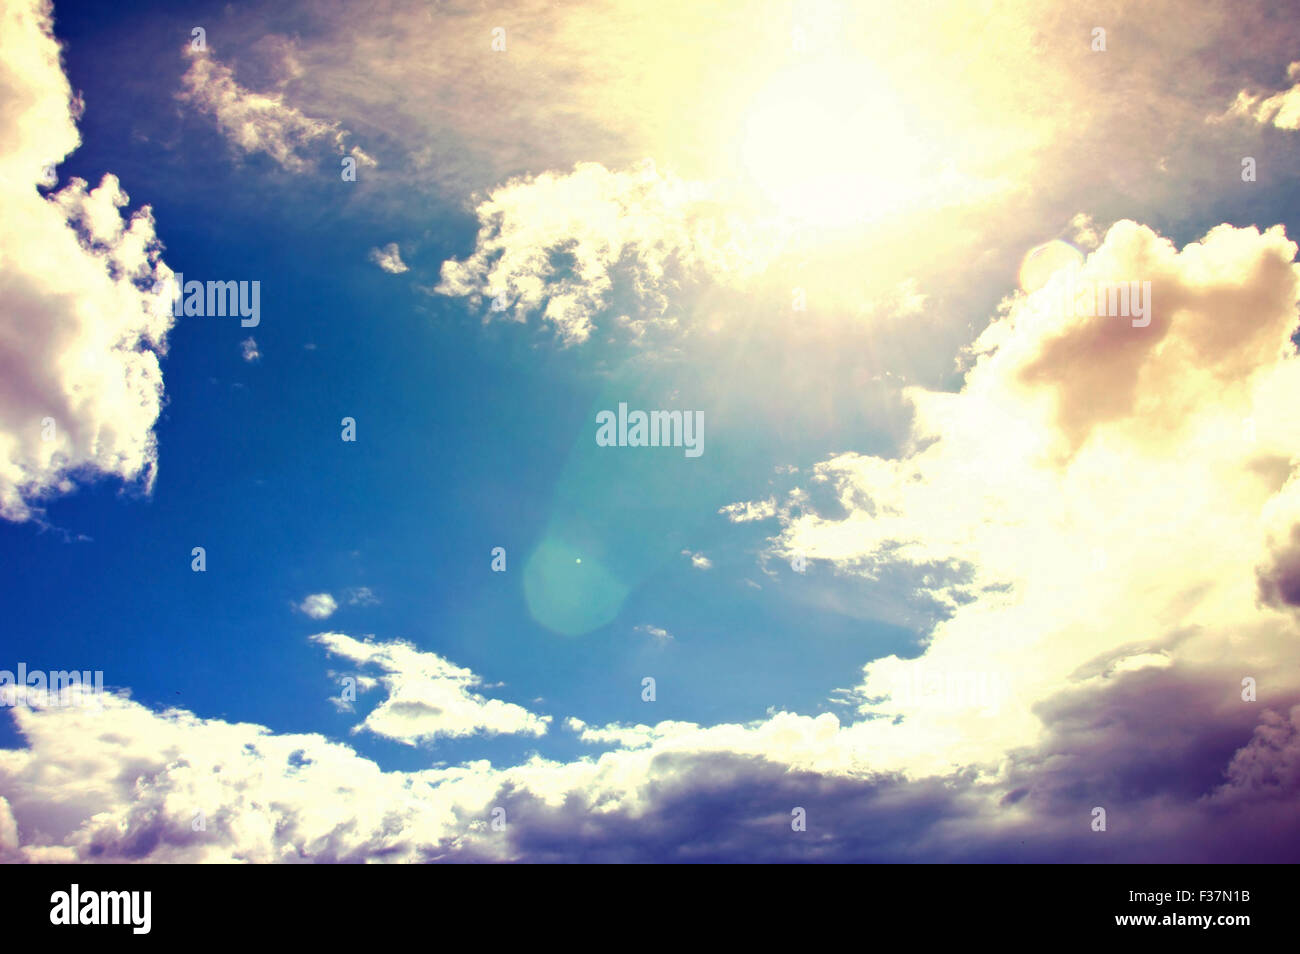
427	696
1099	499
318	606
254	795
557	245
172	787
389	258
1281	109
81	331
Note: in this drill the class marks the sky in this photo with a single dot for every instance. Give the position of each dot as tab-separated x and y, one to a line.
974	531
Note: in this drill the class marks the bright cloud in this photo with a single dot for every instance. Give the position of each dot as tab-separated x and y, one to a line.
81	331
318	606
557	246
170	786
1280	109
1098	498
389	258
429	697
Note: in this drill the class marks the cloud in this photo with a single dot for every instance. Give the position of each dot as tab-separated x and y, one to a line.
318	606
746	511
429	697
82	329
1280	109
1270	764
361	596
170	786
559	245
144	787
248	348
258	122
1099	501
1084	231
698	560
389	258
657	632
626	736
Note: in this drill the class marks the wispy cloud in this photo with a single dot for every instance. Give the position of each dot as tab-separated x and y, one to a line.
259	122
360	596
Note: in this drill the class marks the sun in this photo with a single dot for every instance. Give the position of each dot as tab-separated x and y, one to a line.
828	144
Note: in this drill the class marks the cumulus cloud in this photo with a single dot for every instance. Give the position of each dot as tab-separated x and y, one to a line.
1281	109
428	696
557	245
668	792
248	349
83	326
1099	500
258	122
1270	764
658	632
1278	572
253	795
389	258
318	606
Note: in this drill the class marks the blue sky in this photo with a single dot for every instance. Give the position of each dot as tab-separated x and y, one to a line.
903	474
466	442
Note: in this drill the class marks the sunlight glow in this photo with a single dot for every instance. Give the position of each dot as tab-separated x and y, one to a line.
827	143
